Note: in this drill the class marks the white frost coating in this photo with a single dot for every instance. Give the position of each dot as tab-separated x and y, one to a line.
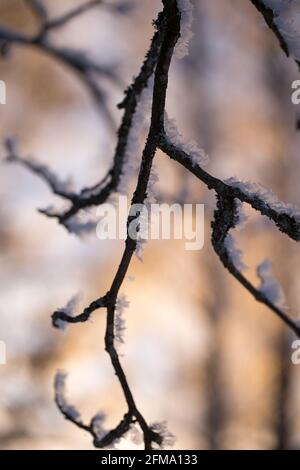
151	188
97	425
144	216
186	21
80	225
99	429
287	19
278	5
266	195
69	309
60	389
168	439
141	240
136	435
50	210
242	217
121	305
49	175
197	154
140	121
270	286
140	246
46	173
236	255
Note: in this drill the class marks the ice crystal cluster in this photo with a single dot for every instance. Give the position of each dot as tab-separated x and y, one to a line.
98	425
235	254
60	392
186	11
287	19
144	222
197	154
168	439
121	304
133	151
69	310
269	286
267	197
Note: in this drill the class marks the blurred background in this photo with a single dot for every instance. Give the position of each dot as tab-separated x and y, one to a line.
199	352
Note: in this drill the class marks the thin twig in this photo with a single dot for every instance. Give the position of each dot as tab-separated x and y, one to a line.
270	19
157	61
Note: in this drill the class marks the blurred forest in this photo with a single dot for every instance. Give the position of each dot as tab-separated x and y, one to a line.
199	352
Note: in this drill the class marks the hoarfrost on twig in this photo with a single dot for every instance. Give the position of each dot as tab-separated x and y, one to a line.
121	304
60	392
69	310
186	11
168	439
269	286
197	154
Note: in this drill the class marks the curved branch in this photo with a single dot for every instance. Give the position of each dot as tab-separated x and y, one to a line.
170	24
225	219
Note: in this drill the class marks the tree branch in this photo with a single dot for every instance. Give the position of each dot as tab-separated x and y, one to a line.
270	19
229	194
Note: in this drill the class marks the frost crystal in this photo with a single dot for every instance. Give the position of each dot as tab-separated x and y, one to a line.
287	19
151	191
133	150
97	425
80	225
136	435
168	439
59	387
69	310
268	285
140	246
267	196
142	235
121	304
186	11
197	154
141	239
235	254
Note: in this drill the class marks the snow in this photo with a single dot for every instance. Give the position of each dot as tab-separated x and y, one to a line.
151	188
121	304
59	387
277	5
80	224
235	254
269	286
140	121
69	310
140	246
136	435
266	195
186	10
197	154
287	19
142	235
97	425
168	439
49	175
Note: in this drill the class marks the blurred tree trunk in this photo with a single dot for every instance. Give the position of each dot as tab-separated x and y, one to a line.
282	174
